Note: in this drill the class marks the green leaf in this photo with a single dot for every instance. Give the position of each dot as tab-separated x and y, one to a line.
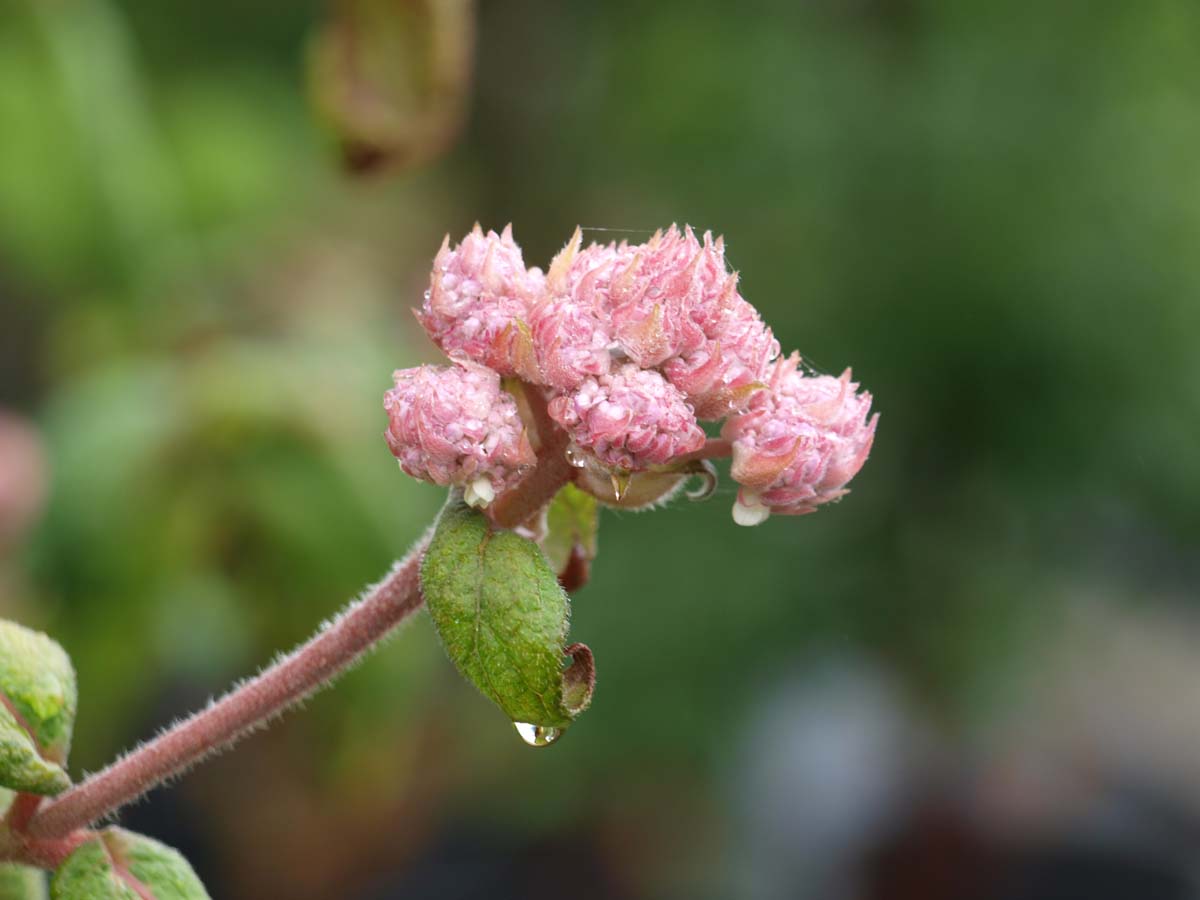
21	882
121	865
572	521
391	77
37	711
503	619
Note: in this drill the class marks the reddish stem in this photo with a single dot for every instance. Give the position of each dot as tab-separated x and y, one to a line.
312	666
553	470
43	854
21	810
714	448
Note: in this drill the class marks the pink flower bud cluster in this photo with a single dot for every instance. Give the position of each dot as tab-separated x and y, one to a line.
456	425
632	345
800	442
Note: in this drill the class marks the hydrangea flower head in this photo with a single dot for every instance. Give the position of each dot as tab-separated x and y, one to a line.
799	443
455	425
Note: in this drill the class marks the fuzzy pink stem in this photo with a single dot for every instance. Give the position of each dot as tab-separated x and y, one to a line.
714	448
309	668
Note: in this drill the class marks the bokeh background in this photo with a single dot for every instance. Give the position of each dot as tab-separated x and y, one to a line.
977	677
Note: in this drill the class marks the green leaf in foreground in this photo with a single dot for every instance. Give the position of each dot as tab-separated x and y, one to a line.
121	865
37	711
21	882
503	618
572	521
18	882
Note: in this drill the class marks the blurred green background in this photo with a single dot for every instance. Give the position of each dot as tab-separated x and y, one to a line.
988	653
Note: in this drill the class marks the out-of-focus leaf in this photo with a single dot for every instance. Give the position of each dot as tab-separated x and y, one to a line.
37	711
18	882
21	882
503	619
391	77
121	865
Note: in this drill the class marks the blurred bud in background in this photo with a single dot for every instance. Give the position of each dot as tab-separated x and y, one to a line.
391	78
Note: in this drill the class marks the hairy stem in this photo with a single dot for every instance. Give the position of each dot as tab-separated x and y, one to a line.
714	448
306	670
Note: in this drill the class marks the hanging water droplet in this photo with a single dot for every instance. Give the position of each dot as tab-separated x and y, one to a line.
575	456
620	482
708	486
537	735
428	294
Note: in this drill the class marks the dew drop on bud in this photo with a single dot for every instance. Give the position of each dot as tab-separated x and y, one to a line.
537	735
575	456
620	483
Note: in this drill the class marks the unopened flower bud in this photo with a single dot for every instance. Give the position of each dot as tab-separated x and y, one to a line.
37	711
799	444
118	863
571	341
456	425
631	419
674	305
478	293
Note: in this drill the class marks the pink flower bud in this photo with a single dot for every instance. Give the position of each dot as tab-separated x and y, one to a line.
455	425
630	419
799	443
570	327
479	294
673	303
729	368
571	341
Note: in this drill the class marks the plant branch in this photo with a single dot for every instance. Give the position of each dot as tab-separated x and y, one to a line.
312	666
714	448
553	470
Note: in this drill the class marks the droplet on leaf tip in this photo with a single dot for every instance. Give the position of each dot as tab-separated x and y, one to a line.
537	735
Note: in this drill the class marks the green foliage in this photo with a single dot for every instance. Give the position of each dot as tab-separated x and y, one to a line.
503	618
120	865
572	521
21	883
37	711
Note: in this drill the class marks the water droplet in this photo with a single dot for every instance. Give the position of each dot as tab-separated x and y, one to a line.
708	473
428	294
620	482
537	735
575	456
